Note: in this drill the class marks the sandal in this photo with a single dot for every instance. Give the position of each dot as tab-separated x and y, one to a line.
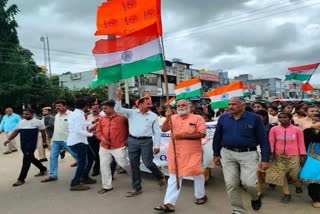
102	191
134	193
165	208
202	200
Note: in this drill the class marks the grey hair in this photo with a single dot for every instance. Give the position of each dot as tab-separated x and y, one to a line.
187	101
242	100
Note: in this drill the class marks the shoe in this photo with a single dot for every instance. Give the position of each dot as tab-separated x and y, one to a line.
74	164
316	204
95	173
7	152
87	180
299	190
79	187
134	192
41	173
102	191
43	160
162	182
48	179
18	183
286	198
256	205
62	154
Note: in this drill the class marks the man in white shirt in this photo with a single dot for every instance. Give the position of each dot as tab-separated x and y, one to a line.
78	142
28	128
59	138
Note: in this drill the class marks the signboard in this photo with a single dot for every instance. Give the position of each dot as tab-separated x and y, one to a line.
209	77
153	90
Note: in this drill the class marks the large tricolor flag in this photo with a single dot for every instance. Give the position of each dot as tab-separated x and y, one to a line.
302	73
121	17
128	56
188	89
220	96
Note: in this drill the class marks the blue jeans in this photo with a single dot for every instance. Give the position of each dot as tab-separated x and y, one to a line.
143	148
84	156
56	147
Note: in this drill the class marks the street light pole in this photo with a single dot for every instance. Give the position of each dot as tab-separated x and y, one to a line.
44	51
49	56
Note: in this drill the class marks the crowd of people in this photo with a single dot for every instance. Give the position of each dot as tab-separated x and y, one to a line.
280	140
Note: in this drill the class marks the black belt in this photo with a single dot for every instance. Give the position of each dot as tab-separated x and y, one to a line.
244	149
140	138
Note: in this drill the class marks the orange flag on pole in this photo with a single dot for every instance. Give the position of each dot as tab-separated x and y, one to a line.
306	87
120	17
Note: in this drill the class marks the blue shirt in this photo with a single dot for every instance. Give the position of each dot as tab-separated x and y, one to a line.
9	123
247	131
141	125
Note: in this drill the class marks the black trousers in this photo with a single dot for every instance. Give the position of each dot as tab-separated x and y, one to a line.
314	192
28	158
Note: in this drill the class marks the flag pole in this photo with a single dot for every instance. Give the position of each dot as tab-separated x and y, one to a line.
175	155
165	76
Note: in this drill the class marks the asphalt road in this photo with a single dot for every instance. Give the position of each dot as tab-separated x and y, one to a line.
55	197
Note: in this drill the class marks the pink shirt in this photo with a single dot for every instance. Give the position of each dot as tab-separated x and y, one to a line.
287	141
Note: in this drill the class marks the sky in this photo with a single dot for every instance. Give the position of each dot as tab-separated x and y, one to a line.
258	37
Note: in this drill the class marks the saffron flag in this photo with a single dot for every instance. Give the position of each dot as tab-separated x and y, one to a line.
246	91
171	102
302	73
220	96
128	56
121	17
188	89
306	87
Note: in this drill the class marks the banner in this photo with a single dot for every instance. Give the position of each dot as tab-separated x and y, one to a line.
161	158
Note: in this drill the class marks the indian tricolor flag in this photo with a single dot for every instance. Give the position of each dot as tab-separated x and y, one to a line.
188	89
128	56
246	91
220	96
302	73
171	102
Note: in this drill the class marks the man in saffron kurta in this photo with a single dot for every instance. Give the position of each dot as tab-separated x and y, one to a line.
187	130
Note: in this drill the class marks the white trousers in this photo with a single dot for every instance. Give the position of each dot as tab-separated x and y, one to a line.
172	193
120	155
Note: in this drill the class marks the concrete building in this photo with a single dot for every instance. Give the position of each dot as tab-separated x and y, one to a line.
264	87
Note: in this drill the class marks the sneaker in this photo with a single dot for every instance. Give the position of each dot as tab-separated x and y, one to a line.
121	171
286	198
299	190
87	180
316	204
48	179
79	187
256	205
43	160
18	183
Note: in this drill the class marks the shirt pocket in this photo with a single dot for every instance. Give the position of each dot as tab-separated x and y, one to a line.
247	131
